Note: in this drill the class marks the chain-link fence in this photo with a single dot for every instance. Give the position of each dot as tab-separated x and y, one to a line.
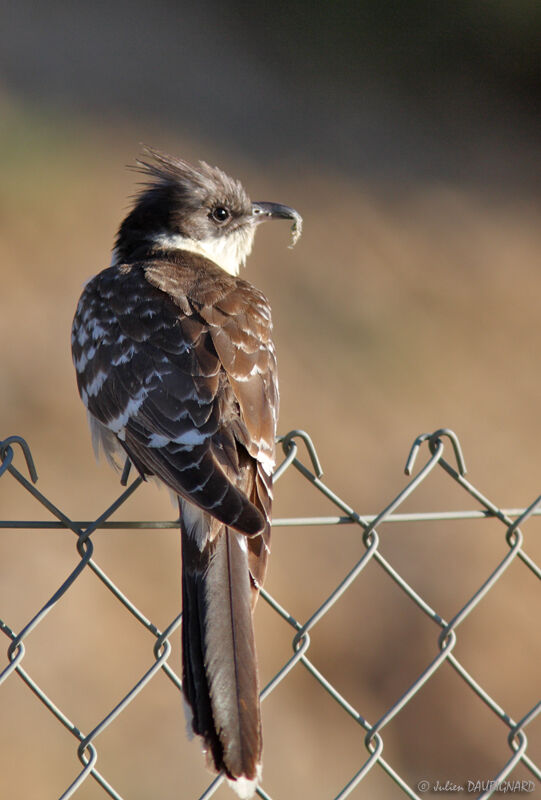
519	771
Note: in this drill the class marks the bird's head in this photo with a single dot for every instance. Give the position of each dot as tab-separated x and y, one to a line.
195	208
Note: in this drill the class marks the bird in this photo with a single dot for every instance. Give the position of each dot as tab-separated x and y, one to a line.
176	366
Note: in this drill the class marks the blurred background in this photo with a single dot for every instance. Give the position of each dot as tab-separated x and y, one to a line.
408	136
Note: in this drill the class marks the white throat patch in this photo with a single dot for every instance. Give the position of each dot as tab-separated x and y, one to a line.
229	252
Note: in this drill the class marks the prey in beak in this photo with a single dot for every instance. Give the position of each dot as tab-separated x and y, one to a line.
263	211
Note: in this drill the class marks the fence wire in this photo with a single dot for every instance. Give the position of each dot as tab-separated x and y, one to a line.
299	454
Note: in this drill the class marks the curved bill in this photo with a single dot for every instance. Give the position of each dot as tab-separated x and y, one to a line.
263	211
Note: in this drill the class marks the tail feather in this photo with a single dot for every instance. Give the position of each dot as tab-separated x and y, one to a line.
194	678
220	678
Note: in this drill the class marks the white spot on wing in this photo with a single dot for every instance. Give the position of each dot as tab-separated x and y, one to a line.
117	424
157	440
95	329
80	363
96	383
256	370
87	355
123	357
82	336
191	437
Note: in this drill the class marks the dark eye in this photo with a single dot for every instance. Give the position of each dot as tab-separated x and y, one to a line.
219	214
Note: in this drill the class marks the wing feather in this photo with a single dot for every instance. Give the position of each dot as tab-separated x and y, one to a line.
176	359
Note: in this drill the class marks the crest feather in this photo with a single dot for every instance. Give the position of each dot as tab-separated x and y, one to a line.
199	181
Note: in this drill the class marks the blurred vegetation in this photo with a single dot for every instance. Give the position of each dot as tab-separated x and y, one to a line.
409	44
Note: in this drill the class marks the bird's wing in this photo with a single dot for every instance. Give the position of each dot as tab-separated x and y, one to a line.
175	358
240	327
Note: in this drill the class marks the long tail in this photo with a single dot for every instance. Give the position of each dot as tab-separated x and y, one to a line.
220	677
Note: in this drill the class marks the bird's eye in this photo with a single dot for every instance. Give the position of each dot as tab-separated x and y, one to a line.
219	214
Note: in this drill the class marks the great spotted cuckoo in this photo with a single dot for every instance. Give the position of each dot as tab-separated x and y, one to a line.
176	366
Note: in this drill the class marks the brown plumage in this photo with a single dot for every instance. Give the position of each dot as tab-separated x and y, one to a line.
176	366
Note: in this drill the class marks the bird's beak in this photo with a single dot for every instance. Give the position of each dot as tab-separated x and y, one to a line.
262	211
